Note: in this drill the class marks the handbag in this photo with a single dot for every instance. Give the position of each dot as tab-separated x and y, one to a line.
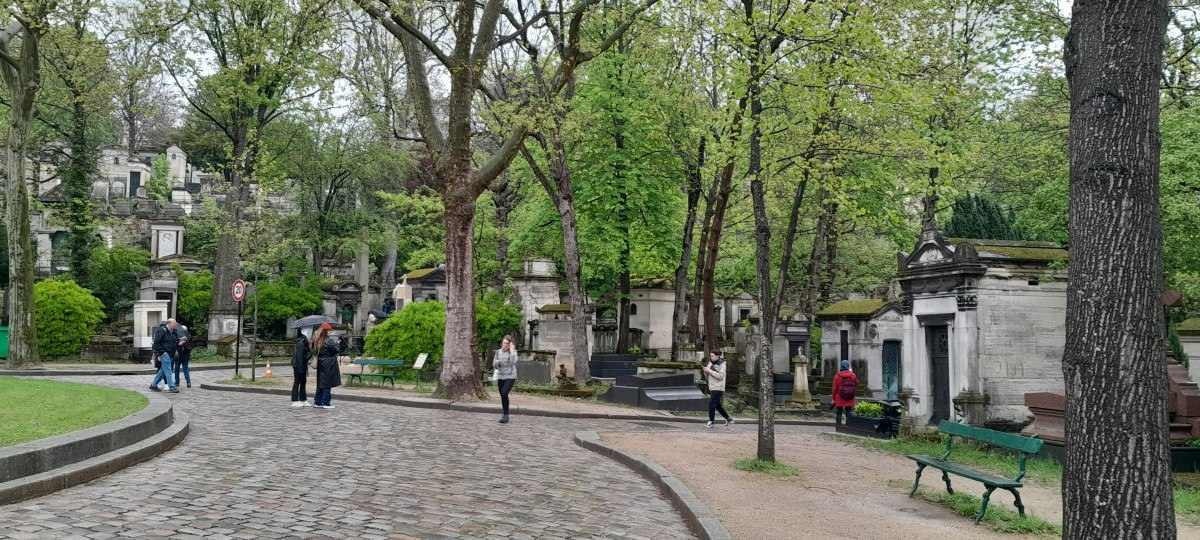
495	375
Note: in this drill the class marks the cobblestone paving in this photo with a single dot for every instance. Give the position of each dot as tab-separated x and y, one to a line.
254	468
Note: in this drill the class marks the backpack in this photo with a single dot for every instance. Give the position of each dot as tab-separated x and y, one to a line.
847	388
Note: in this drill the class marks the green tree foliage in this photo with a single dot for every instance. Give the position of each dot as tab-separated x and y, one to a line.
289	296
415	329
158	187
114	276
65	315
494	318
195	299
977	216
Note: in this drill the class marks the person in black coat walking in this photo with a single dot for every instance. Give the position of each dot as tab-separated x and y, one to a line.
328	348
300	358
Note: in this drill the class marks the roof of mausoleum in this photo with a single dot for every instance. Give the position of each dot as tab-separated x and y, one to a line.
1190	327
1017	250
555	308
422	274
849	309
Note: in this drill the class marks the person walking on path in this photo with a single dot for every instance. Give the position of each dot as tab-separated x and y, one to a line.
184	357
300	359
715	370
845	385
328	348
164	348
505	366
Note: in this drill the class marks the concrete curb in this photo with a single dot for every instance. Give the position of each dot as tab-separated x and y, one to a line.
430	403
85	471
44	455
83	456
134	369
700	519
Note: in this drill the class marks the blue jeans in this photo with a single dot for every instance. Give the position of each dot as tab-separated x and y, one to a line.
165	372
324	395
181	364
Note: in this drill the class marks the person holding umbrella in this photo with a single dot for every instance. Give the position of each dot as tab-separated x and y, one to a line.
328	347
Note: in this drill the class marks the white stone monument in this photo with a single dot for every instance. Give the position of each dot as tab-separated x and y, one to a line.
147	314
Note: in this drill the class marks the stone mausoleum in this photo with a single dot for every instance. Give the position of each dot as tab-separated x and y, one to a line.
971	326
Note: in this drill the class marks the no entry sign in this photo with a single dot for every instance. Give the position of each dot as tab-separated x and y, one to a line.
239	291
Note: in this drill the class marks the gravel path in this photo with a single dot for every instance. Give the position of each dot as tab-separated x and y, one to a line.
254	468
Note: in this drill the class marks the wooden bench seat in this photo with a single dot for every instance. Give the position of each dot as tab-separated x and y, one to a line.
1023	446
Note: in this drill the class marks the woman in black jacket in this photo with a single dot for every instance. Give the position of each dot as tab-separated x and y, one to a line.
328	348
300	368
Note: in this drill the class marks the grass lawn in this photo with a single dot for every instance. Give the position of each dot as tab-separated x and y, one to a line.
1043	471
36	409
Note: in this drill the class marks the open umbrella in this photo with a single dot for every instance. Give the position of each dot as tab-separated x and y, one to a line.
311	320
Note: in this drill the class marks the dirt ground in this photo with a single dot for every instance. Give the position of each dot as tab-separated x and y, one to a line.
843	491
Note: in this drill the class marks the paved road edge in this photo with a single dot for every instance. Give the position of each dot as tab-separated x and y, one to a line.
133	369
49	481
700	519
431	403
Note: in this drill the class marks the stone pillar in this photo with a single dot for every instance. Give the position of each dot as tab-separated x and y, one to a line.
800	394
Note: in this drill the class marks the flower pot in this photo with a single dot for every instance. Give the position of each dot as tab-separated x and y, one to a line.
880	428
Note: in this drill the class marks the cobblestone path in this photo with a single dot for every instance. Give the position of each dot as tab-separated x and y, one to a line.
254	468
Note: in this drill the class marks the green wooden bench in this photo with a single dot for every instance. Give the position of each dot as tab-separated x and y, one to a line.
388	369
1025	446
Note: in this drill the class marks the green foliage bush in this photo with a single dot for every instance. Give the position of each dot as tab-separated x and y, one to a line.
976	216
415	329
195	299
113	276
868	409
65	317
159	187
494	317
287	297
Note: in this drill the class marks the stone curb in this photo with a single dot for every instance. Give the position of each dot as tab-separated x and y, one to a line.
134	369
430	403
700	519
44	455
97	465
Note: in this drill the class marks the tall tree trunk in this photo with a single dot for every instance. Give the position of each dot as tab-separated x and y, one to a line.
623	258
23	81
694	302
77	183
817	256
505	197
1117	475
22	337
829	269
460	375
574	267
680	311
762	265
707	286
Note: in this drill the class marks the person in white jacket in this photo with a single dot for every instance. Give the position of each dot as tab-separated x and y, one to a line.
715	370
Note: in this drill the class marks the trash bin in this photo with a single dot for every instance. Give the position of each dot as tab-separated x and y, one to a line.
3	342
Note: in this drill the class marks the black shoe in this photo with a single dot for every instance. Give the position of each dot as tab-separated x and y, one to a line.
155	389
504	419
174	390
189	385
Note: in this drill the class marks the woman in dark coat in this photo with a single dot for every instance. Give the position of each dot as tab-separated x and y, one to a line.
328	348
300	368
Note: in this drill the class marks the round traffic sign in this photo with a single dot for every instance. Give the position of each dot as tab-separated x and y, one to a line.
239	290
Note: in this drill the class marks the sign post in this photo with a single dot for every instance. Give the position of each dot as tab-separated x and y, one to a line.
239	294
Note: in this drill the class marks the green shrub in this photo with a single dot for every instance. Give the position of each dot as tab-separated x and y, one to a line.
158	187
415	329
65	317
868	409
195	299
113	276
284	298
493	319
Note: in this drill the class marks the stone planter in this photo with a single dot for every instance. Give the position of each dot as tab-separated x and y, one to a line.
879	428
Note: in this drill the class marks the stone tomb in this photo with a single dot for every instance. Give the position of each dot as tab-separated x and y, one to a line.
976	324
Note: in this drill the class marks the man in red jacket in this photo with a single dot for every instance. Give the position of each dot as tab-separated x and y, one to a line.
845	384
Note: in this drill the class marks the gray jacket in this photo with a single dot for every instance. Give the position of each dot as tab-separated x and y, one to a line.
505	364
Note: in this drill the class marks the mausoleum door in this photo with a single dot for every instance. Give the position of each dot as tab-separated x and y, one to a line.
938	344
891	369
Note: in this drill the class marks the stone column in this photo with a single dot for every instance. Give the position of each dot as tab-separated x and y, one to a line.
800	394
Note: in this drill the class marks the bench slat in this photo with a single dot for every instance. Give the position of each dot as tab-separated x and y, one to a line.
1010	441
966	472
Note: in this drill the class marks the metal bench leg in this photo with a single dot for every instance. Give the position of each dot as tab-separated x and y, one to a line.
920	467
983	507
1017	501
946	479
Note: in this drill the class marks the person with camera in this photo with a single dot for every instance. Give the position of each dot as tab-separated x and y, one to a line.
715	370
